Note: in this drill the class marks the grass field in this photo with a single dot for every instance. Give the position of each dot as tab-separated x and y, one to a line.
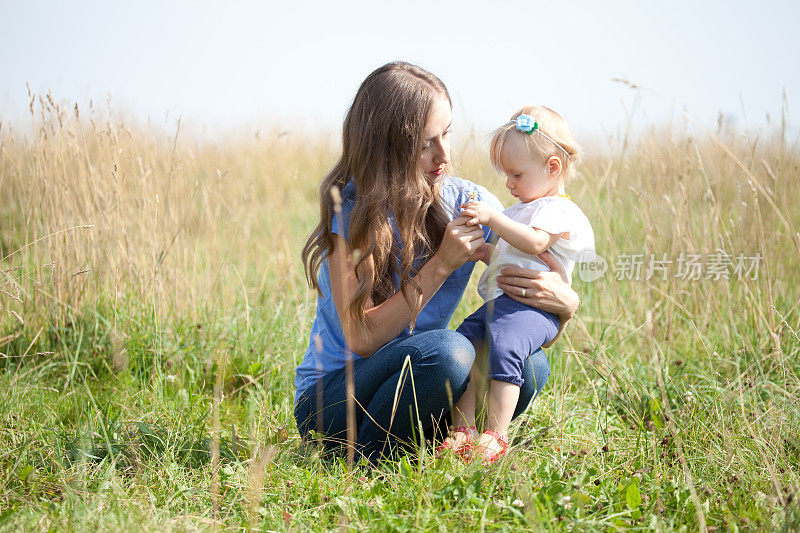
153	308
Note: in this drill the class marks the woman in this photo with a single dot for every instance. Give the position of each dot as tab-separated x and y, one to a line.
390	259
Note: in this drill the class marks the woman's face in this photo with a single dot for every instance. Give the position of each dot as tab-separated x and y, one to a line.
436	139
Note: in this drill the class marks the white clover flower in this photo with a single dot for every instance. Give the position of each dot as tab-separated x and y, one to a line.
518	503
170	378
567	502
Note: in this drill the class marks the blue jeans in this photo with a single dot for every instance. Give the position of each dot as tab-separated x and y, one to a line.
440	360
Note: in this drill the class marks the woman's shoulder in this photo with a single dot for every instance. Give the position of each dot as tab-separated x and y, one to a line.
456	191
460	185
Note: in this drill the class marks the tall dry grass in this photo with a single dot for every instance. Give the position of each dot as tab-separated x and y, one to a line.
95	209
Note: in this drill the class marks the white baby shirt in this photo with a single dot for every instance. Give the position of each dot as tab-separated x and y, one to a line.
553	214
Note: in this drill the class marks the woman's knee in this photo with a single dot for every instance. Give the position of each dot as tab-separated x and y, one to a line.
457	351
535	374
457	348
447	350
541	370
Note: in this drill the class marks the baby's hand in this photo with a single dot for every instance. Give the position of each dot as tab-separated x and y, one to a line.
477	213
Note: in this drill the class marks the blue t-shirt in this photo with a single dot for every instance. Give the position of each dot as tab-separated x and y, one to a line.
329	354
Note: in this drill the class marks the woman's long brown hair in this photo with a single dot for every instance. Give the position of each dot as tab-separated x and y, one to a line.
381	147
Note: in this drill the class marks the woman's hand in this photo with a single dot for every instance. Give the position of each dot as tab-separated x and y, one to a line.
459	243
483	253
548	291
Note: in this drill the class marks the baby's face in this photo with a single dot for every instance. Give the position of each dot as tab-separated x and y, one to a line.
527	176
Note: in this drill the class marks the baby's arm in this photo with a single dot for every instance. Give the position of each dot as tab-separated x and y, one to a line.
524	238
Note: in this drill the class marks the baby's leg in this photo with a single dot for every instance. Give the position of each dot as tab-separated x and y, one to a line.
514	332
464	409
473	328
463	433
493	442
503	397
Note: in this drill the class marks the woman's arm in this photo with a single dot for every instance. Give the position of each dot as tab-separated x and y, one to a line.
387	320
548	291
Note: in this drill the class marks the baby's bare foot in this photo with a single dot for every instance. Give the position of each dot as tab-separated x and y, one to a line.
459	440
491	446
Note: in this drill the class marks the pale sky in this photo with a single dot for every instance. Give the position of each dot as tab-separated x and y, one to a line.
228	65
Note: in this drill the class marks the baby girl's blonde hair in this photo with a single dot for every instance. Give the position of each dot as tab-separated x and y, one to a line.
553	126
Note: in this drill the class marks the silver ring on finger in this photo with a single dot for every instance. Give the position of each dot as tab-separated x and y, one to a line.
523	293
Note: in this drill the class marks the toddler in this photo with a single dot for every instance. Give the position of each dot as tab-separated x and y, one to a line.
537	152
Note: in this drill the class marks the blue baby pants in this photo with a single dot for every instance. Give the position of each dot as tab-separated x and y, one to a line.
512	331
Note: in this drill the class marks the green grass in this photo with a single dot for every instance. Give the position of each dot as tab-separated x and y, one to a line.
155	391
87	447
